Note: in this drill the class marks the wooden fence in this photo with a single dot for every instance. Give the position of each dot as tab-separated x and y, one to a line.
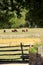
19	53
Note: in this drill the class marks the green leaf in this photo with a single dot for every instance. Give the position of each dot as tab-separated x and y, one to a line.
33	50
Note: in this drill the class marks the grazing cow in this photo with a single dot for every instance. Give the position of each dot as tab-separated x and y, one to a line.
14	30
4	30
26	30
23	30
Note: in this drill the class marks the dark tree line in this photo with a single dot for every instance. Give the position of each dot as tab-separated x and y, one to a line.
34	16
35	13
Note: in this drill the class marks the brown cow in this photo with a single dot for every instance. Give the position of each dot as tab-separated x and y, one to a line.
14	30
26	30
4	30
23	30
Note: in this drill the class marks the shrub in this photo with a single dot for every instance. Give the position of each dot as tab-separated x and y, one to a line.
33	50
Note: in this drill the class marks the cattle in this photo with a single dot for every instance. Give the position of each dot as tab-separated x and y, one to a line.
14	30
4	30
23	30
26	30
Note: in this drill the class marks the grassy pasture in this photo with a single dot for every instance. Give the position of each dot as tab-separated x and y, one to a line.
31	31
9	38
17	41
34	35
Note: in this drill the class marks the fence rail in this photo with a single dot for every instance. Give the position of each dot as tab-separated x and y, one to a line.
19	53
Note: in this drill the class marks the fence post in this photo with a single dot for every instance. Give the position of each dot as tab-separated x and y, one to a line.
22	51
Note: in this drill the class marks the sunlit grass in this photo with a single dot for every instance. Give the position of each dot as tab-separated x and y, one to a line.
33	36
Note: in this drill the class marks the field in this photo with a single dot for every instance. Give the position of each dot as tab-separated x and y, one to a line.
33	36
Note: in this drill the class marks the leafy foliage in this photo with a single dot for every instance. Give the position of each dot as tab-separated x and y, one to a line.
33	50
33	15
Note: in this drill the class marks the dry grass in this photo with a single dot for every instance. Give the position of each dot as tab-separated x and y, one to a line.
33	36
17	41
